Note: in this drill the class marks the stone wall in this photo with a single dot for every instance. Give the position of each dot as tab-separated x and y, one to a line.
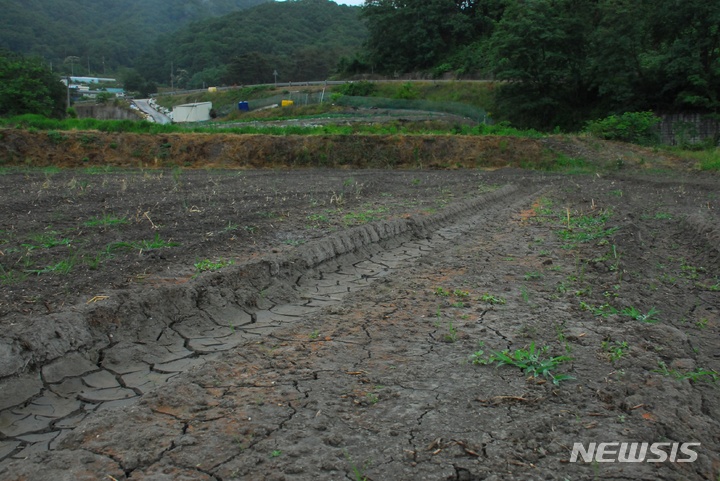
678	129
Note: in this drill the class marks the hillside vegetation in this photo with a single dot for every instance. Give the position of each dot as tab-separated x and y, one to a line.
105	34
566	61
300	40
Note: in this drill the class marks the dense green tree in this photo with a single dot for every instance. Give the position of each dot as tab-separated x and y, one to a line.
106	34
302	39
542	49
685	52
27	86
411	35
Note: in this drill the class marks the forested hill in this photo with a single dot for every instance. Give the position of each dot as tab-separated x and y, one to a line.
110	31
300	40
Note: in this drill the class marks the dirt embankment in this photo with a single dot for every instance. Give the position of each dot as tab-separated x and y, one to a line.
92	148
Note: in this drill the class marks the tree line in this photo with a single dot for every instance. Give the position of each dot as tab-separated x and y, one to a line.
561	61
299	40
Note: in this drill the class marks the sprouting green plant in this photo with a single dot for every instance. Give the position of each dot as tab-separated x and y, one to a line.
460	293
230	227
490	299
62	267
315	334
10	277
698	375
358	472
615	349
317	219
530	276
363	217
372	398
451	335
441	291
603	310
524	293
208	265
702	323
275	453
637	315
531	361
47	240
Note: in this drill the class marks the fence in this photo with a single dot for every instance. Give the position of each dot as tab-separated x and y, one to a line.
302	98
689	129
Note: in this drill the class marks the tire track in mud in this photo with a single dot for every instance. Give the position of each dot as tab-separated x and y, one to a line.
141	341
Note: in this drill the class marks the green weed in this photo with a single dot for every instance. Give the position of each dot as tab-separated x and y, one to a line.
441	291
603	310
10	277
451	335
208	265
698	375
47	240
616	350
531	361
637	315
357	218
490	299
531	276
358	472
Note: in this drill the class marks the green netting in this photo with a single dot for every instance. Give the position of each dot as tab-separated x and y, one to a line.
477	114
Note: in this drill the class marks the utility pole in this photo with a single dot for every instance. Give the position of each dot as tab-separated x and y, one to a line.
68	92
275	74
172	77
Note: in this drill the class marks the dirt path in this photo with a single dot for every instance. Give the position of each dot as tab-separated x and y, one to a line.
359	355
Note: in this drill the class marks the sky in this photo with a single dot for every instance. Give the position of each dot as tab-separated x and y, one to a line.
349	2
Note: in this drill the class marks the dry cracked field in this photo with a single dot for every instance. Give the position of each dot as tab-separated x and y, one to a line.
357	324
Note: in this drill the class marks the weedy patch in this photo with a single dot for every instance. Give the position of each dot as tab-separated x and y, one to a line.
698	375
494	300
46	240
637	315
615	350
603	310
585	228
531	361
363	217
208	265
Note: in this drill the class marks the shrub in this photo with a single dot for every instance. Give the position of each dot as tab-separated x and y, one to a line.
356	89
635	127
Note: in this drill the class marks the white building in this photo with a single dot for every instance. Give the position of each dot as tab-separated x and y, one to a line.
197	112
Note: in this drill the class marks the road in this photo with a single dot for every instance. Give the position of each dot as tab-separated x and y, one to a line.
144	106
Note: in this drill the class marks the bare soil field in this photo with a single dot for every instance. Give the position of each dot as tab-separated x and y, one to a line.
326	324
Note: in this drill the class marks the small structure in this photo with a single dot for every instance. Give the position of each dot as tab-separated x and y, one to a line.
197	112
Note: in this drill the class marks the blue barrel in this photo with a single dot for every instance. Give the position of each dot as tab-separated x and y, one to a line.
244	106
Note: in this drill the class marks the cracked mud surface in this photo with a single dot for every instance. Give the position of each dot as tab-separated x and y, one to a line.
347	352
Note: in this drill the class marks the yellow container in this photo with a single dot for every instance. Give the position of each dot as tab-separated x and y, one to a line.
212	89
286	103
